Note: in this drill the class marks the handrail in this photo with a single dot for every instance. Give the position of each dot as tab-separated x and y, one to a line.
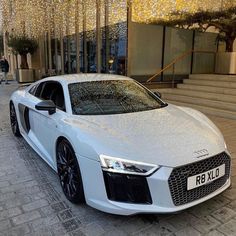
182	56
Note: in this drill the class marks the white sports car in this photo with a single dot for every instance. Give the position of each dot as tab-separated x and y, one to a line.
118	146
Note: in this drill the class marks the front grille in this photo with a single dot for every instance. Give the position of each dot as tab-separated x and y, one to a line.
178	179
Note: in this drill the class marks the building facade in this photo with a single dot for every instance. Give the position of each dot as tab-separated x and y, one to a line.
109	36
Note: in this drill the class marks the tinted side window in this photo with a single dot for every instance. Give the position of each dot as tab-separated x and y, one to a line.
51	90
39	90
33	90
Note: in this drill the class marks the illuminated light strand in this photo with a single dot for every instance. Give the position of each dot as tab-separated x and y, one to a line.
35	17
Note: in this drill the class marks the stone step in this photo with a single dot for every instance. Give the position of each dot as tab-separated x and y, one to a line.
212	83
209	89
199	94
207	110
214	77
201	102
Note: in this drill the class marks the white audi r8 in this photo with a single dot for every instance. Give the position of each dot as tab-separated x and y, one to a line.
119	147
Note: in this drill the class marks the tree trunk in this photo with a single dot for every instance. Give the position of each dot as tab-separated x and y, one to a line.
230	44
24	63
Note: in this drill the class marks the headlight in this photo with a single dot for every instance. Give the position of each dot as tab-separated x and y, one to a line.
119	165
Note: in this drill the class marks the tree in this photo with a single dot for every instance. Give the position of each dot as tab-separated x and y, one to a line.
22	45
223	21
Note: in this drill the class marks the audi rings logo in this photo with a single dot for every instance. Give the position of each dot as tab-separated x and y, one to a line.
201	153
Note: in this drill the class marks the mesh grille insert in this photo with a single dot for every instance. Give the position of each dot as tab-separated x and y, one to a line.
178	179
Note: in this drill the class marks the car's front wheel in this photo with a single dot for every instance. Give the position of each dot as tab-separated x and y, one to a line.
14	122
69	172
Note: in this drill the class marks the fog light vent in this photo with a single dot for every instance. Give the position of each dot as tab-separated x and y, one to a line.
127	188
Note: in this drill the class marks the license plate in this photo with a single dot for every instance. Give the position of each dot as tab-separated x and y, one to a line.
206	177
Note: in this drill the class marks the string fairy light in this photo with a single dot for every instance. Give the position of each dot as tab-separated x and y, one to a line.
33	18
153	10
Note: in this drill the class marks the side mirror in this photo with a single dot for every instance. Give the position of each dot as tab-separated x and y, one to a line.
46	105
157	94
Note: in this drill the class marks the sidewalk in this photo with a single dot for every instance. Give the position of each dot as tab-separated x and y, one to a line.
32	202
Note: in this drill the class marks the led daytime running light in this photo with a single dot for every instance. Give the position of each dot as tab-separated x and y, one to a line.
118	165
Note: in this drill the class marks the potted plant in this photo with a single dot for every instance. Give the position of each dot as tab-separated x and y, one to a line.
23	45
223	21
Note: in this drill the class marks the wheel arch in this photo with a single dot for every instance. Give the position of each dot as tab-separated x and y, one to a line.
11	103
58	140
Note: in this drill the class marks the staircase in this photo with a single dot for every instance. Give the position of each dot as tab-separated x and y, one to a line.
209	93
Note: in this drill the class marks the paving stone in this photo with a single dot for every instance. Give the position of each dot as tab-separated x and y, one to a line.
224	214
4	184
59	206
230	194
35	205
205	224
228	228
58	229
52	197
187	232
214	233
92	229
26	217
154	230
181	221
78	233
7	196
41	232
16	201
115	232
22	179
134	225
71	225
17	231
43	223
20	187
2	174
65	215
206	208
38	196
47	211
5	224
10	213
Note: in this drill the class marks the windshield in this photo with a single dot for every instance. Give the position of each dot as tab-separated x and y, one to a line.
111	97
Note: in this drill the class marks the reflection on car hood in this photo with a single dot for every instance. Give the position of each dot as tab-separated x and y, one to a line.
169	136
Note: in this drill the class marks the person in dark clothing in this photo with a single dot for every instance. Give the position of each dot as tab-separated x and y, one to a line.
5	69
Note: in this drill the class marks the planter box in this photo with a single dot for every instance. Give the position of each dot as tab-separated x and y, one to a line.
25	75
225	63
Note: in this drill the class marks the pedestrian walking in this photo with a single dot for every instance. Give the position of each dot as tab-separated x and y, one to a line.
5	69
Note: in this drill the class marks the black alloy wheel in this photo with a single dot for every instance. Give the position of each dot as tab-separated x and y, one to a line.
69	172
14	122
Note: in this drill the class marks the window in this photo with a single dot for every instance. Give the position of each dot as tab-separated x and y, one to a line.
111	97
51	90
33	90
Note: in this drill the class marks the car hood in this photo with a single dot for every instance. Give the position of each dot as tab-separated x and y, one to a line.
170	136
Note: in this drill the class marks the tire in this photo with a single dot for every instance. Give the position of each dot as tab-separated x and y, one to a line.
14	122
69	172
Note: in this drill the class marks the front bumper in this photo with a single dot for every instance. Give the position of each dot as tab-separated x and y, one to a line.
162	201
